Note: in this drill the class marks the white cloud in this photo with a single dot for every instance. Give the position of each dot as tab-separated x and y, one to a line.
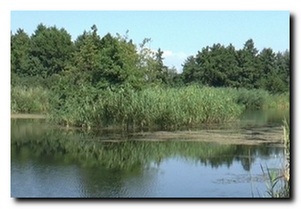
174	59
167	53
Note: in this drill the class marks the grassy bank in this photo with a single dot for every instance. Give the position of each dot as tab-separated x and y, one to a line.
86	106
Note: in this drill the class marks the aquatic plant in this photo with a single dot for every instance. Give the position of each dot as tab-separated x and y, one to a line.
287	152
162	107
166	108
277	101
251	99
278	182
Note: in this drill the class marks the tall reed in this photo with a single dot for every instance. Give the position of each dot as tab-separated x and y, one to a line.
287	152
163	107
278	183
29	100
87	106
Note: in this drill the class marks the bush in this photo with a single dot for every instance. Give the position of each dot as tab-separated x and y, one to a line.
252	99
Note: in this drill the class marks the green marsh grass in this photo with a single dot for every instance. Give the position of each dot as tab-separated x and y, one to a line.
29	100
277	101
161	107
167	108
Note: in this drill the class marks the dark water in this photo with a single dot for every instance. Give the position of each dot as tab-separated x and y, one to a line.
50	162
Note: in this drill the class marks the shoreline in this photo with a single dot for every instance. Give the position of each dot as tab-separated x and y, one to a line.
251	136
27	116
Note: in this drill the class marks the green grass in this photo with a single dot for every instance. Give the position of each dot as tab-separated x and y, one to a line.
278	101
162	107
167	108
29	100
261	99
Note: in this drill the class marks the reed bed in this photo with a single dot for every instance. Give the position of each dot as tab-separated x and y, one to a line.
165	108
29	100
162	107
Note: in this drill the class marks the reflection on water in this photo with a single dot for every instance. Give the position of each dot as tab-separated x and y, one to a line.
264	118
49	162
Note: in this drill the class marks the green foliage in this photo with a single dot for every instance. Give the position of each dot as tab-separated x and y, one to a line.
252	99
115	61
191	72
119	62
87	106
20	49
278	101
107	61
72	102
246	68
96	81
29	100
277	186
278	183
161	107
34	81
50	51
261	99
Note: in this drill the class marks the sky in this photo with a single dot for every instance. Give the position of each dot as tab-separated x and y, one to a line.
179	34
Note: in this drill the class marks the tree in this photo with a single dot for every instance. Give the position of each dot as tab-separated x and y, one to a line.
215	63
164	75
248	71
267	60
230	62
225	66
106	62
191	71
283	64
129	57
147	62
213	66
20	48
119	62
275	71
86	58
50	52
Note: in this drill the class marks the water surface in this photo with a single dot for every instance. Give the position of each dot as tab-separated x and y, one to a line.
47	161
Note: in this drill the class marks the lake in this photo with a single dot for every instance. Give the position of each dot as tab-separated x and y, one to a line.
213	161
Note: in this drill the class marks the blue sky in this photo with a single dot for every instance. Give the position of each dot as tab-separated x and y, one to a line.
178	33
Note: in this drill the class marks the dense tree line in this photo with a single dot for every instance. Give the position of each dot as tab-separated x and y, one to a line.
100	61
50	56
245	68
